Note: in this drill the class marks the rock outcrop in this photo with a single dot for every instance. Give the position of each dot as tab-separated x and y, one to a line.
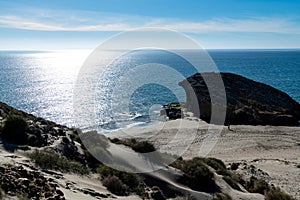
16	180
38	131
248	102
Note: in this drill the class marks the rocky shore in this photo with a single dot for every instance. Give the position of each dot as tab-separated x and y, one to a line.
248	102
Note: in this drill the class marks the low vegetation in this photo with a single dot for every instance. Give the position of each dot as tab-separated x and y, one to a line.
277	194
157	194
115	185
256	185
125	182
197	171
196	174
14	130
138	146
216	164
233	181
51	160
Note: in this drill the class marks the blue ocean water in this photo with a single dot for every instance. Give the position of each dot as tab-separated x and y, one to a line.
42	83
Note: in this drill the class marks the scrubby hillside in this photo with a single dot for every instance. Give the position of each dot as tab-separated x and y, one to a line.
43	160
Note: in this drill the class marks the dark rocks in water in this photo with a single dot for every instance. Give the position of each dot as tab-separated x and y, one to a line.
172	113
248	102
173	110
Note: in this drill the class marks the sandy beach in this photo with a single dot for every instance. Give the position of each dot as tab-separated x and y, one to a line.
274	151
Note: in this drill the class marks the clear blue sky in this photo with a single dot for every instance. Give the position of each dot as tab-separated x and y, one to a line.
62	24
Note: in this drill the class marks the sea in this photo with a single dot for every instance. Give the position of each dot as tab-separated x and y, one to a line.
42	82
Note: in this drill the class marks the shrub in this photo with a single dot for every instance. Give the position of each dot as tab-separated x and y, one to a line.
143	147
217	165
277	194
232	181
115	185
140	191
92	162
51	160
214	163
115	140
14	130
255	185
196	174
130	179
221	196
75	137
157	194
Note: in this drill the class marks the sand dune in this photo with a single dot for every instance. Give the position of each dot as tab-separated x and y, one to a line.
274	151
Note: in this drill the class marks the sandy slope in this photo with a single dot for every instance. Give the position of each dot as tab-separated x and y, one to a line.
274	150
74	187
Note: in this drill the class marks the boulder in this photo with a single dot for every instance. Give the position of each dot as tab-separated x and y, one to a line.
247	101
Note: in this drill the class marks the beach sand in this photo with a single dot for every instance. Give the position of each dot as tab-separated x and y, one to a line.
273	151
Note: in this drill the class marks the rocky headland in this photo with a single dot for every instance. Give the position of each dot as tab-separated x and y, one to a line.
248	102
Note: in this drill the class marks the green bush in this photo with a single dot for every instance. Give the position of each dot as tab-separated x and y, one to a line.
51	160
217	165
277	194
115	140
157	194
196	174
92	162
232	181
141	147
129	179
75	137
255	185
14	130
140	191
115	185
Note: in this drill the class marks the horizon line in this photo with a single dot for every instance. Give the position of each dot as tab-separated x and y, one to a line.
91	49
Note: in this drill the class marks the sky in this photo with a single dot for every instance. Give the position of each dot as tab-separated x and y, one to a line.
84	24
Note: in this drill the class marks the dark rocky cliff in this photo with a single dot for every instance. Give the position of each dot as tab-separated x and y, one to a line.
248	102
